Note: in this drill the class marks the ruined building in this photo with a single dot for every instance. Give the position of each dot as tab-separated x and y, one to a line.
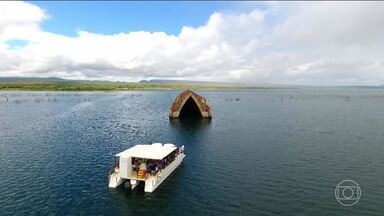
188	104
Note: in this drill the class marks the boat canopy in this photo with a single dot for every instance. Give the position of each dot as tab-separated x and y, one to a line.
155	151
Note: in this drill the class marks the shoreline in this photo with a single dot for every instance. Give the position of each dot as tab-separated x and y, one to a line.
73	87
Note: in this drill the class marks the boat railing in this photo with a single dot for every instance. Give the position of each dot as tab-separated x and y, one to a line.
157	172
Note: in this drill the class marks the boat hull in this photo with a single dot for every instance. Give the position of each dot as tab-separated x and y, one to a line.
115	180
153	182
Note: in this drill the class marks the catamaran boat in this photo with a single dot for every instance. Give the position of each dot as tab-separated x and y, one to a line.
148	163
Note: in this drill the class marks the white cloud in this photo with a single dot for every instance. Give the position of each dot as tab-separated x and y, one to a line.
295	43
20	13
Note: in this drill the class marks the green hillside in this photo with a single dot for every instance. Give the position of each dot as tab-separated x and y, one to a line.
58	84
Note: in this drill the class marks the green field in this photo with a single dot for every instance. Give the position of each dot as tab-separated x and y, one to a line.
47	86
60	84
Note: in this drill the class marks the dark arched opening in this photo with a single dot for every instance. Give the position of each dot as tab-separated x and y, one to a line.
190	109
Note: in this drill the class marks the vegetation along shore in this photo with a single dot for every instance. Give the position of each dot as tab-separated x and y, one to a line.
58	84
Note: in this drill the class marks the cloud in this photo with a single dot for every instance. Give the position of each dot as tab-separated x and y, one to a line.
20	14
336	43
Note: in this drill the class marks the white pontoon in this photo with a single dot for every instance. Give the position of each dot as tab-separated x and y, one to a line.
150	163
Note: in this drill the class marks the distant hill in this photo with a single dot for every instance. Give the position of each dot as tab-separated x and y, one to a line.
153	82
32	79
199	83
56	80
173	84
59	84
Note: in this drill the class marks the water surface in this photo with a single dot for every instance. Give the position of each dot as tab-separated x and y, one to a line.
265	152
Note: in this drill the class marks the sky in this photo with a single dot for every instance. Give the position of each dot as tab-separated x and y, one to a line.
309	43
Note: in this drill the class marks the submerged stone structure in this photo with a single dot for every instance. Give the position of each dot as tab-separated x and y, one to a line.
188	104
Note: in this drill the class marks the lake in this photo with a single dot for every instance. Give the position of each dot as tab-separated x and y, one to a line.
265	152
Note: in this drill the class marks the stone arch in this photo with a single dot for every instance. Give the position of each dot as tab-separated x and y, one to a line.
186	108
185	99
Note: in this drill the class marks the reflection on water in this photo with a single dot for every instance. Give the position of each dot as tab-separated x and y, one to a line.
135	202
190	124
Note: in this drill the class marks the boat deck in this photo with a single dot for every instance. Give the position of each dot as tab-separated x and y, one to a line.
135	176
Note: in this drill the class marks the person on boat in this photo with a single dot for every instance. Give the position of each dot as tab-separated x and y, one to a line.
151	168
160	164
142	173
143	166
135	165
117	164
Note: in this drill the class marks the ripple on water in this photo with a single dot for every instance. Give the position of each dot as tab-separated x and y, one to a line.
282	152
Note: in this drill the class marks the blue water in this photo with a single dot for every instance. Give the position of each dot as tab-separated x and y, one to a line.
265	152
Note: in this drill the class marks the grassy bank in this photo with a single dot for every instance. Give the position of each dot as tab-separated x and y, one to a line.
46	86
